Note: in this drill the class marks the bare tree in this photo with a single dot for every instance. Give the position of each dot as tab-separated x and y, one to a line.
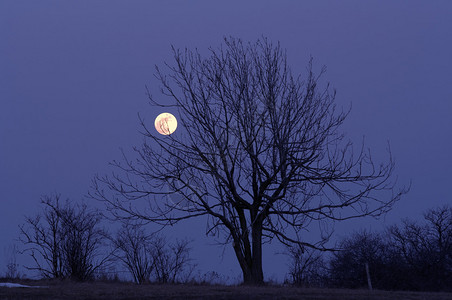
363	251
171	260
42	237
65	240
258	152
307	267
135	251
151	257
11	262
425	249
84	245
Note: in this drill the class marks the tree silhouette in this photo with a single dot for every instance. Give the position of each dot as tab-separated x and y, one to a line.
151	257
65	240
413	255
307	267
171	260
425	250
134	250
258	152
347	266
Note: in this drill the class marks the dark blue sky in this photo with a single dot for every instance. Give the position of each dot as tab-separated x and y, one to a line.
72	77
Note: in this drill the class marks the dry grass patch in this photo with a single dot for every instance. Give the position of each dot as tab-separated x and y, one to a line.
120	290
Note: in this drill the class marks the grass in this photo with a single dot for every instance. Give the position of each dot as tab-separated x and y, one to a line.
122	290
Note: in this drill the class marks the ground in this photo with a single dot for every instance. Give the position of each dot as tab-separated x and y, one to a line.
121	290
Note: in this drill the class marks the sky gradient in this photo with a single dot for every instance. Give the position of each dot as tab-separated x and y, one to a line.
73	76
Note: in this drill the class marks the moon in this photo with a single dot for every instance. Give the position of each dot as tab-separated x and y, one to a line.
165	123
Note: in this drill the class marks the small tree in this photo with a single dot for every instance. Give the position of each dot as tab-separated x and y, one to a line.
11	262
171	260
43	237
151	257
64	240
307	267
425	250
135	251
84	244
348	266
259	153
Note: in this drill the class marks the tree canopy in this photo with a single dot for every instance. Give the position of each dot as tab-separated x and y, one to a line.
259	153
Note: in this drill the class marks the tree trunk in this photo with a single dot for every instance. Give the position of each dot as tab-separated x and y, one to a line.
256	266
252	266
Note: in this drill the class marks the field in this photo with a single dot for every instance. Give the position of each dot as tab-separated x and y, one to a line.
120	290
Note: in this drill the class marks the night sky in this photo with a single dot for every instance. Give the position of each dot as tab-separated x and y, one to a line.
73	76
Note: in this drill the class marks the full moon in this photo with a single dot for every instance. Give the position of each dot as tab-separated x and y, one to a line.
165	123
